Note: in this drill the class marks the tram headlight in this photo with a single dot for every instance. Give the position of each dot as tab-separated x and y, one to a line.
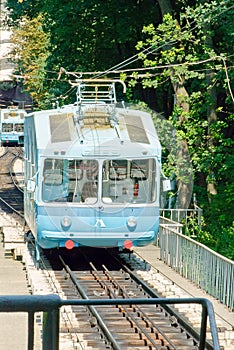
66	222
131	223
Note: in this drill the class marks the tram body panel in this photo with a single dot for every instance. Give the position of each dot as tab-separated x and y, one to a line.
86	226
92	179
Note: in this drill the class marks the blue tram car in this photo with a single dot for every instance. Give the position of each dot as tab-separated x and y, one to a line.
12	126
92	172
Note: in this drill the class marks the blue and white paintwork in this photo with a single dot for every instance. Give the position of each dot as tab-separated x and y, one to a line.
92	176
12	126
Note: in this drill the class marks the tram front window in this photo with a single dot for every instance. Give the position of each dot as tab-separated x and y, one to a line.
7	127
123	181
19	127
129	181
70	180
83	181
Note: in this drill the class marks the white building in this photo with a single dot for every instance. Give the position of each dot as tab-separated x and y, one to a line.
6	67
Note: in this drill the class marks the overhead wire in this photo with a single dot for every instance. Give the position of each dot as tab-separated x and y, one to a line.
149	50
142	69
118	68
133	59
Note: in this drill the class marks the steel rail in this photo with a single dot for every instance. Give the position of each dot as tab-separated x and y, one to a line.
130	317
181	320
144	316
11	172
9	168
92	309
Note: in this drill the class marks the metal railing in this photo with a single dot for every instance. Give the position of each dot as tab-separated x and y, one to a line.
191	219
207	269
50	306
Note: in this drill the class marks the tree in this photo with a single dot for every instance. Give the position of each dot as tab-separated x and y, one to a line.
187	55
180	48
184	72
184	179
30	53
87	36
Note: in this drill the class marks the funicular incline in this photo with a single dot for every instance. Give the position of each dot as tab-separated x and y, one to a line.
152	255
50	305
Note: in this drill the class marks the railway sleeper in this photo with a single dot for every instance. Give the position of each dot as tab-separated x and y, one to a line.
136	334
92	340
86	323
112	320
132	341
126	338
161	344
86	330
176	337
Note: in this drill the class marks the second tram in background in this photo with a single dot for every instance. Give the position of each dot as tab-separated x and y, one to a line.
12	126
92	172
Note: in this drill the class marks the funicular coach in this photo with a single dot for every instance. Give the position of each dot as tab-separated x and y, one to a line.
92	172
12	126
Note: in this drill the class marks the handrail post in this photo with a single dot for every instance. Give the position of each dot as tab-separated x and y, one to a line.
50	339
203	327
30	330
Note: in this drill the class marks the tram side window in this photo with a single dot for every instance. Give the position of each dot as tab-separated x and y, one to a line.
74	178
75	171
91	169
53	172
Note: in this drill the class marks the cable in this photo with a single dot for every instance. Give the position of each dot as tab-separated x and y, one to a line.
228	80
133	58
127	62
173	65
151	49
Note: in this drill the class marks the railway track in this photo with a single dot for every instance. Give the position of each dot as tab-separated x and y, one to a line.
11	194
97	274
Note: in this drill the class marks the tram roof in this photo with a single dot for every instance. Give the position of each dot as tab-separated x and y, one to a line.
95	133
12	114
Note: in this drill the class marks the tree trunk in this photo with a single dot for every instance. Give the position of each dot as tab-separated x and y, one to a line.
184	169
165	6
211	117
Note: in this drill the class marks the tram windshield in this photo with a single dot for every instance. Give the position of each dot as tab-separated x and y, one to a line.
7	127
19	127
70	180
129	181
119	181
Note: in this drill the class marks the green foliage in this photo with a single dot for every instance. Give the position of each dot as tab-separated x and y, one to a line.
30	51
193	49
5	85
88	34
225	241
171	46
180	48
22	8
220	240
